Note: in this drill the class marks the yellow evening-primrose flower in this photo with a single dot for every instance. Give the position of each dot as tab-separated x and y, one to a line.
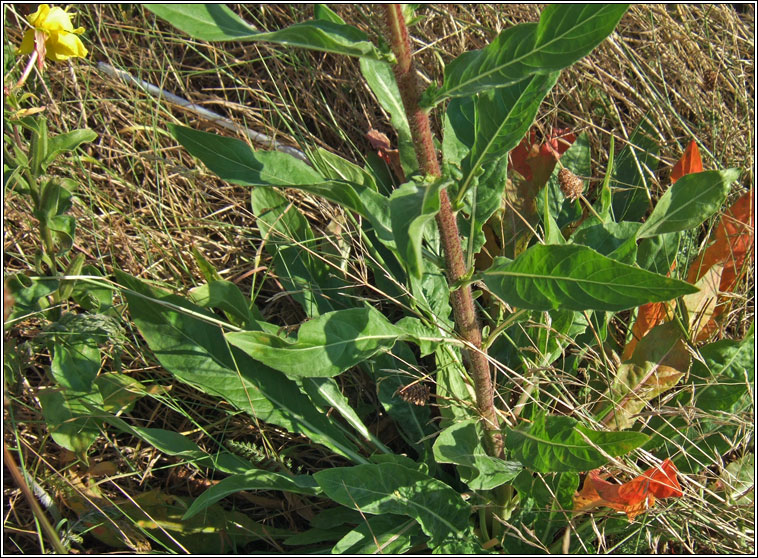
61	41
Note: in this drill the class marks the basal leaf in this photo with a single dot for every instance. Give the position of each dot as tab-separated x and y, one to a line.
195	352
255	479
554	444
325	346
291	242
689	202
70	419
575	277
632	169
389	488
385	534
565	33
216	22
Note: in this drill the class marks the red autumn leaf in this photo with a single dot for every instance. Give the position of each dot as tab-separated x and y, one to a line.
688	164
531	159
632	497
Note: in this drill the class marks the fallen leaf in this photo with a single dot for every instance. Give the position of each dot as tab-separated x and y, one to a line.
633	497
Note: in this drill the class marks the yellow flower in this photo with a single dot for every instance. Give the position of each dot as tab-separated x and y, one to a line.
61	42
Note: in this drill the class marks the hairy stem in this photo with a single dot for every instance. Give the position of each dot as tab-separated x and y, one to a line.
462	300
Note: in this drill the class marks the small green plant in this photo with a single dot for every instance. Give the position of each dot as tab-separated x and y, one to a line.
480	318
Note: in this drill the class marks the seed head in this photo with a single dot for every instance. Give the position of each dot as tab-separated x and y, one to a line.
571	185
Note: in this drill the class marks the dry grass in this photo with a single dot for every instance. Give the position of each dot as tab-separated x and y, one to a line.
143	202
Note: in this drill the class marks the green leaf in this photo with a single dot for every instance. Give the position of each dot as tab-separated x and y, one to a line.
119	392
459	126
75	363
389	375
175	444
503	117
252	480
555	444
225	296
70	419
575	277
389	488
381	80
290	240
412	206
691	200
188	344
325	346
385	534
326	394
67	142
725	375
215	22
29	294
233	160
615	240
461	444
633	167
322	11
565	34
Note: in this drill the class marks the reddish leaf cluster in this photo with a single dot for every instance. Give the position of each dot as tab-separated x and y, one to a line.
633	497
532	159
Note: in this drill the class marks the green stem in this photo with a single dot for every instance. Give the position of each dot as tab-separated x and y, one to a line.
462	300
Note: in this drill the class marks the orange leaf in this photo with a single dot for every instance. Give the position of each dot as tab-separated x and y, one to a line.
632	497
732	247
688	164
648	316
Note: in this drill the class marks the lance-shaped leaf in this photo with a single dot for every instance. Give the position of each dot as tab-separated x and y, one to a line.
412	207
255	479
689	202
325	346
565	33
555	444
195	352
658	362
574	277
216	22
503	116
235	161
390	488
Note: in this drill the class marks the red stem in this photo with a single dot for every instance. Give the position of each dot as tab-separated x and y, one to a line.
462	300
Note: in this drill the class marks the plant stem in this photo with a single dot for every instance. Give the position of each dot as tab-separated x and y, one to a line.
462	300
